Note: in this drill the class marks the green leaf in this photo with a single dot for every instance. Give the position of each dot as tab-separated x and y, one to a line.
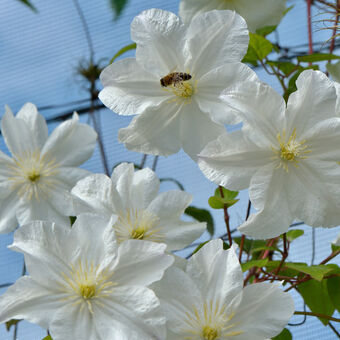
317	272
201	215
118	6
28	4
169	179
294	234
333	286
48	337
259	47
285	271
316	57
258	249
316	296
72	219
11	323
285	67
228	199
254	263
265	30
284	335
122	51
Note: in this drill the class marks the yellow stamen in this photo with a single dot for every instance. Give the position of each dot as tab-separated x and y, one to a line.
209	333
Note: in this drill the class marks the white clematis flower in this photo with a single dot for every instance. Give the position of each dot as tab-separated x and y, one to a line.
143	213
36	182
257	13
285	155
207	301
83	285
173	84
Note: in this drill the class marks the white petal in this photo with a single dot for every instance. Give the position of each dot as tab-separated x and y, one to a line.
130	313
314	101
160	41
264	311
178	294
268	193
197	130
156	131
92	235
180	234
323	140
315	194
122	178
39	210
261	109
26	299
128	89
144	188
214	82
214	39
8	211
71	143
217	272
35	121
261	13
232	160
72	322
141	262
17	134
98	192
190	8
43	244
170	205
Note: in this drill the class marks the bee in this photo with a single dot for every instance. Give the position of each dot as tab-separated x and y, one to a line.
174	78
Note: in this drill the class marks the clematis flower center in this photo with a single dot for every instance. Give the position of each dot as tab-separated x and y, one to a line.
85	283
138	224
87	291
291	150
211	322
209	333
33	174
180	84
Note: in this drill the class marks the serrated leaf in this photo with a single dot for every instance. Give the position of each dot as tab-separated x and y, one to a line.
316	57
123	50
118	6
294	234
201	215
284	335
315	295
28	4
11	323
254	263
333	287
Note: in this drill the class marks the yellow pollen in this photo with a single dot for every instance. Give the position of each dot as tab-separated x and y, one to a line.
291	150
34	177
182	89
209	333
87	292
138	224
138	233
